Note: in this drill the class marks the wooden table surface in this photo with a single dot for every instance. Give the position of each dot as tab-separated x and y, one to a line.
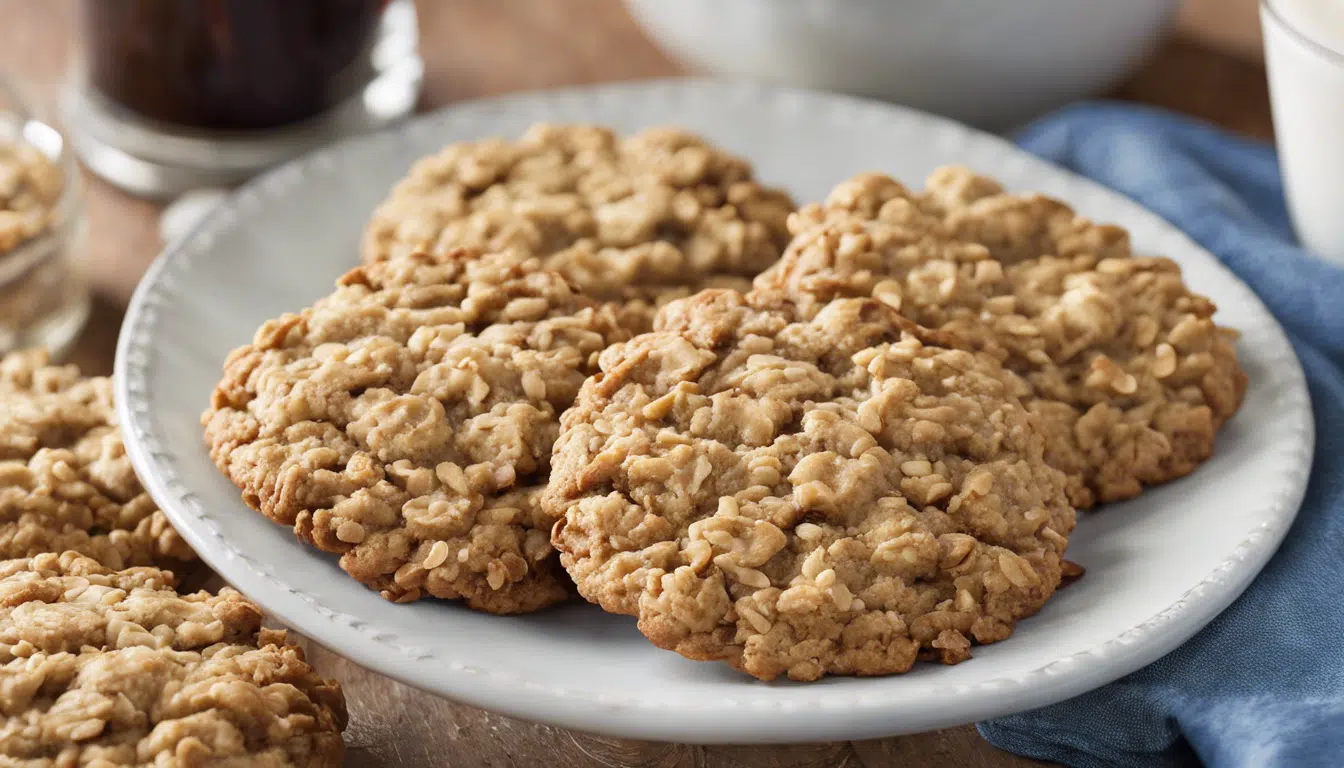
478	47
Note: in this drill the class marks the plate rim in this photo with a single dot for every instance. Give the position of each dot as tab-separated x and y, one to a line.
626	716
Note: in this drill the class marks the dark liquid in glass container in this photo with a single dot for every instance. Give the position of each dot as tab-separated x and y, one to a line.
229	65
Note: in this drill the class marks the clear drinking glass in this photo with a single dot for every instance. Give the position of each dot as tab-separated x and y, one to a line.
167	96
1304	53
44	288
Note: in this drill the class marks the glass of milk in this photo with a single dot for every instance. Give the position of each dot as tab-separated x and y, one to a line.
1304	52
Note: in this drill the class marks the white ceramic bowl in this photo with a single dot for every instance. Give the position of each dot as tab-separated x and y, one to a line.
994	63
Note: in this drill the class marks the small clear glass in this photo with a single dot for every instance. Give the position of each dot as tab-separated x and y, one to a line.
168	96
44	285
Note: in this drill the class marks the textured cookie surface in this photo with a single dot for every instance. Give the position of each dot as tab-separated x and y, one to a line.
640	219
65	480
114	668
831	496
405	422
1124	363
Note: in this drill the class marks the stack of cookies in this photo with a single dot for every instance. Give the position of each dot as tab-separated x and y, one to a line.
104	661
834	440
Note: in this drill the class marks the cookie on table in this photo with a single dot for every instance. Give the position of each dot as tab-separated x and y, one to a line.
641	219
112	668
65	480
405	422
1124	363
835	495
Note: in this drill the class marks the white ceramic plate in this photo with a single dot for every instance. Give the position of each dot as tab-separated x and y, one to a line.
1159	567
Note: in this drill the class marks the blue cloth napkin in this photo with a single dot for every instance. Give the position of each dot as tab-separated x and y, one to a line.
1263	685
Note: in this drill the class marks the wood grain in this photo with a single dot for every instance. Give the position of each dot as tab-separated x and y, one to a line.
479	47
1187	77
1228	25
394	725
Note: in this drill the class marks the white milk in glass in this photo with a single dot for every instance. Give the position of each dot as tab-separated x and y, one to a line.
1304	51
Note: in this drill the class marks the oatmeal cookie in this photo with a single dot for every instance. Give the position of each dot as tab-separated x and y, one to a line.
1124	363
836	495
642	219
405	422
65	480
115	668
30	188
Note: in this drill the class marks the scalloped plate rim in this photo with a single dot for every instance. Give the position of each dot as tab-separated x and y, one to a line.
843	708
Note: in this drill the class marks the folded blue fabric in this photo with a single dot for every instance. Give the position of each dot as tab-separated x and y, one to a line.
1263	685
